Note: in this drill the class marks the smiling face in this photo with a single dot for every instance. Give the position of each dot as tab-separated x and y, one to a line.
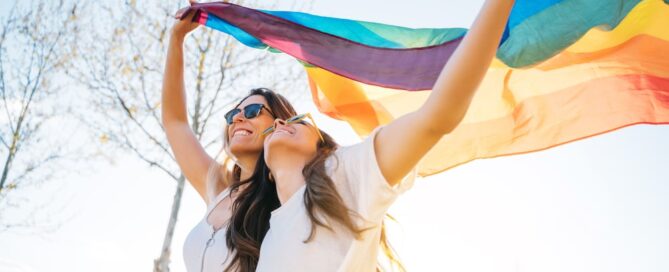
295	141
245	135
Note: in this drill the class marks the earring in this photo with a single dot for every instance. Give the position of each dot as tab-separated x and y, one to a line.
271	178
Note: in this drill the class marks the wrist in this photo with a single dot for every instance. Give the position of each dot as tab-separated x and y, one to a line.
177	36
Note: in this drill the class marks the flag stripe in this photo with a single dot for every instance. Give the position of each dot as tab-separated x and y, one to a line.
589	67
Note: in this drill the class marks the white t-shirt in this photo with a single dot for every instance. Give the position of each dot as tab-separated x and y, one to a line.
204	248
358	179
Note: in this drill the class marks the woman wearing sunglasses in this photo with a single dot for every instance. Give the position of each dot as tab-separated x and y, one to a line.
333	200
239	202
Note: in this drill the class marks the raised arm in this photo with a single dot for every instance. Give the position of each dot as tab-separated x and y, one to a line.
401	144
189	153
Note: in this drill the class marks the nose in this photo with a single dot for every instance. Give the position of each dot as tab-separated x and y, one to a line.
238	117
279	122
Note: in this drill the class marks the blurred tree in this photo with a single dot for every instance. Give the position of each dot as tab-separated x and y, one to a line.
122	69
34	50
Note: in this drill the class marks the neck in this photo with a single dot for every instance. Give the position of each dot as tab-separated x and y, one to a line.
248	165
288	178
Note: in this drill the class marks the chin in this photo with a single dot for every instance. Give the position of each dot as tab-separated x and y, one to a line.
239	149
287	147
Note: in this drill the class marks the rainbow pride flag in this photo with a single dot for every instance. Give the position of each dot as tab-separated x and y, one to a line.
565	70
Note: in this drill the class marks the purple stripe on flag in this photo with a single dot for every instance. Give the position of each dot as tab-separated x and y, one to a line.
408	68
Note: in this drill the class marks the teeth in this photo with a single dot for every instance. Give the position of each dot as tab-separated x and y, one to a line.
242	132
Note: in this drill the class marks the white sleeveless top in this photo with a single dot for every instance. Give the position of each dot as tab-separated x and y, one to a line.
205	249
359	181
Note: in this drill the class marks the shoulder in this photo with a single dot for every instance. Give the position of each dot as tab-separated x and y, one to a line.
357	164
351	163
358	154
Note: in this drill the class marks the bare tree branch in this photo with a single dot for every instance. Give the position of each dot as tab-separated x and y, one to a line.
33	49
124	68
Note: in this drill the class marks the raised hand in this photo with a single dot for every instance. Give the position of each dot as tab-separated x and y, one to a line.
185	23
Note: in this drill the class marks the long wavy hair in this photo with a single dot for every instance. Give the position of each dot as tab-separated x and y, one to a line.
322	196
256	198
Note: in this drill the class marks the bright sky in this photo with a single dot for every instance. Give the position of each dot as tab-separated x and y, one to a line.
595	205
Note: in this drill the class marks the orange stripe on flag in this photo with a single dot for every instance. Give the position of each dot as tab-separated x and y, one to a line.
569	97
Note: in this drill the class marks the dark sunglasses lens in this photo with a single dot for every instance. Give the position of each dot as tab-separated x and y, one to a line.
230	115
252	111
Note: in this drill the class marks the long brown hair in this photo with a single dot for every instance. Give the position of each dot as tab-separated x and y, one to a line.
321	195
251	210
255	197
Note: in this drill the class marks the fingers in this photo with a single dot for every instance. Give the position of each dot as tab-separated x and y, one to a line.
181	13
184	13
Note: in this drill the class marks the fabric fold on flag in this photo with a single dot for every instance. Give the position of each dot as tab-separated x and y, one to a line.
565	70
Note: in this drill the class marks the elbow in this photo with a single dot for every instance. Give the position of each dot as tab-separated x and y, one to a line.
445	126
168	119
173	123
442	118
164	117
165	113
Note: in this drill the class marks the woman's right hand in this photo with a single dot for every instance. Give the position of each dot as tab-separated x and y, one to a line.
184	25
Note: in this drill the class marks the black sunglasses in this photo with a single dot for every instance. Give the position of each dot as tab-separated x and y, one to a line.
250	111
